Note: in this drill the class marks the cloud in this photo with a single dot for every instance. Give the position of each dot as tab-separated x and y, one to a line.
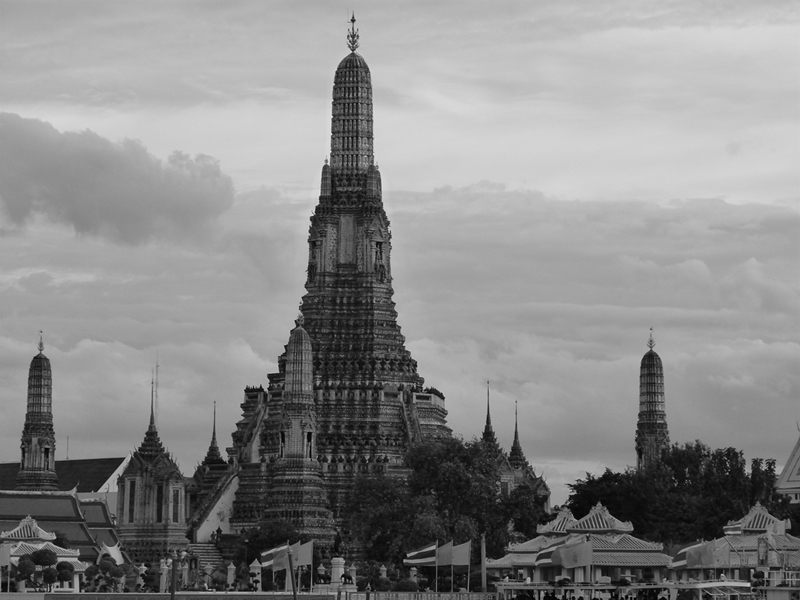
100	188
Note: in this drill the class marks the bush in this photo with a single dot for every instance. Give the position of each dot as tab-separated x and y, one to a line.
25	568
406	585
44	557
384	584
49	575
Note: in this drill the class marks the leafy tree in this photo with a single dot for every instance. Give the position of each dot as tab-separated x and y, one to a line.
690	495
268	534
44	557
525	509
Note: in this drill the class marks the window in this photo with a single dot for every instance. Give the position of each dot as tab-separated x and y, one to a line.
160	504
176	504
131	499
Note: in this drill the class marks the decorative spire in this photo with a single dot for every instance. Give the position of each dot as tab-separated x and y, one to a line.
38	445
213	456
488	432
652	434
151	447
516	457
352	35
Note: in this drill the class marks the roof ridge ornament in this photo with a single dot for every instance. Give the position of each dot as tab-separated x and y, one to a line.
651	342
352	35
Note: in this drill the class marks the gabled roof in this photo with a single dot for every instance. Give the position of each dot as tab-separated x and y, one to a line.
86	475
599	520
27	529
559	525
758	520
789	481
23	548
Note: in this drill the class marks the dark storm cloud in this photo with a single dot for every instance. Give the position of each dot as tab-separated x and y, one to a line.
118	191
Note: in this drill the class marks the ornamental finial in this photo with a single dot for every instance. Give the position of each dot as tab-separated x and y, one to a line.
352	35
651	342
41	343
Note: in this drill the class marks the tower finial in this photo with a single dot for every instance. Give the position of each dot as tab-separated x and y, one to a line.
41	343
352	35
651	342
152	399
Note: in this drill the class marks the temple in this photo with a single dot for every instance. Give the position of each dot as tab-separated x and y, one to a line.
347	399
151	503
652	435
514	468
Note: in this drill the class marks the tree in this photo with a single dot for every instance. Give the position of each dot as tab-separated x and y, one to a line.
690	495
269	534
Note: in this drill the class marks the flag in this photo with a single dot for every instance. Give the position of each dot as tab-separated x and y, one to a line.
575	555
282	559
701	555
268	556
444	554
305	554
679	562
732	528
422	557
461	553
545	556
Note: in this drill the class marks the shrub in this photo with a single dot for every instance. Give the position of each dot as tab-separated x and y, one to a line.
384	584
406	585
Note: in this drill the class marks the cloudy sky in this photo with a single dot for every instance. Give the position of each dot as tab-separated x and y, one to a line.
560	177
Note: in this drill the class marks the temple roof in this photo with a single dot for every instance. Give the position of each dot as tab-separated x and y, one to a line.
789	480
27	529
599	520
757	520
86	475
564	520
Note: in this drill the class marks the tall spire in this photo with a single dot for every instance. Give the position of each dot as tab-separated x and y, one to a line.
488	432
652	434
37	469
517	457
151	447
351	122
213	456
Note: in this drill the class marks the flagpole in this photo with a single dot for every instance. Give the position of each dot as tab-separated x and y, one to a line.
483	562
291	572
436	567
469	563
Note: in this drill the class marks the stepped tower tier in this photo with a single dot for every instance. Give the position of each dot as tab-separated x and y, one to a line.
37	468
652	435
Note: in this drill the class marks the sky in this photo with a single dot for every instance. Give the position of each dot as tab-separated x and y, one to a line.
560	178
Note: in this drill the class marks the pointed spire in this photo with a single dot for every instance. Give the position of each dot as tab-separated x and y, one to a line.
151	445
213	456
651	342
516	457
352	35
41	343
488	432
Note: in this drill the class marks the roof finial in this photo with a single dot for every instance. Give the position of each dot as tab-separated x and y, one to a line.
352	35
152	400
651	342
41	343
214	430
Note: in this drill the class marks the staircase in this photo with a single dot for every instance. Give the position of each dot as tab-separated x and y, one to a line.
208	554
